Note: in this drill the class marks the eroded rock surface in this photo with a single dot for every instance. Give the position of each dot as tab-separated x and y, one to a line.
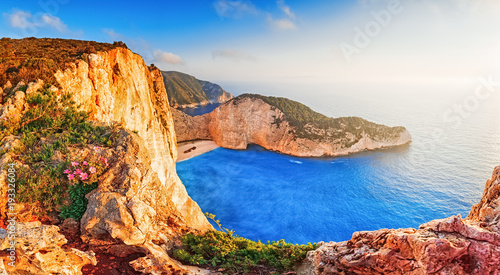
140	204
38	250
248	120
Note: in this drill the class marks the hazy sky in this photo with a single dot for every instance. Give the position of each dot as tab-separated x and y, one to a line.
285	40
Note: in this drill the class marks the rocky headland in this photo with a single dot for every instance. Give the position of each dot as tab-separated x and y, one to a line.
185	91
286	126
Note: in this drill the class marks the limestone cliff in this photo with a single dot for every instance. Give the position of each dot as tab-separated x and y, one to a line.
140	201
448	246
116	86
253	119
185	91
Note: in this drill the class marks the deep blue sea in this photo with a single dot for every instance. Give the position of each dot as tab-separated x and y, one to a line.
200	110
269	196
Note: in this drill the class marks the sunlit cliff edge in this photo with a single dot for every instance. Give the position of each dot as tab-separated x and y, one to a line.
140	202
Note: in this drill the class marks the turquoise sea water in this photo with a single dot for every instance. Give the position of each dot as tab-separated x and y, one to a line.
269	196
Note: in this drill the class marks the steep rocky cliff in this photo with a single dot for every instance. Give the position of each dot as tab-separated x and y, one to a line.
185	91
286	126
448	246
140	201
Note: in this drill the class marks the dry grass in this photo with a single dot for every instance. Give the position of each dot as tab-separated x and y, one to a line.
30	59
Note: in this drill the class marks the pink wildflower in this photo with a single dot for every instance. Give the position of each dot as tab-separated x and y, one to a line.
97	148
83	176
71	176
67	171
78	172
74	163
92	170
85	163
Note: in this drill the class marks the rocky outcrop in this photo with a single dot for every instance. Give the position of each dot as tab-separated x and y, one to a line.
190	128
116	86
185	91
250	120
214	92
140	200
448	246
132	205
33	248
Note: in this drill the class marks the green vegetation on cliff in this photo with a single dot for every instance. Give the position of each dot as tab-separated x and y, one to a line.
295	111
237	255
313	125
47	139
184	89
30	59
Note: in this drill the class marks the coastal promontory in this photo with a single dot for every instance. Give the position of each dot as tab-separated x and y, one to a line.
286	126
185	91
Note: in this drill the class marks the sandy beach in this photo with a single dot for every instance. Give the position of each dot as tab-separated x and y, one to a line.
190	149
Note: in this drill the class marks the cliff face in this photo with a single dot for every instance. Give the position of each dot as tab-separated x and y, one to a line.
140	201
185	91
448	246
190	128
249	120
116	86
214	92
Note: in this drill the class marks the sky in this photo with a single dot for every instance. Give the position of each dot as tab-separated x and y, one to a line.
322	41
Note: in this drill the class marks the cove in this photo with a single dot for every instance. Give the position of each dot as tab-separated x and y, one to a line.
265	196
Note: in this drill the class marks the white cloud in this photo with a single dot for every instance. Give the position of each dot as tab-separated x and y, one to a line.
234	9
166	57
286	9
281	24
143	48
286	23
54	22
114	35
25	20
20	19
233	55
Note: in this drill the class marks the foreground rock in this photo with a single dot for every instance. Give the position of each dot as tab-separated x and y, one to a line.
448	246
38	251
252	119
133	207
140	201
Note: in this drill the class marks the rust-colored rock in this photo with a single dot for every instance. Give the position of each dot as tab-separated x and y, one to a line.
38	251
448	246
248	120
190	128
140	201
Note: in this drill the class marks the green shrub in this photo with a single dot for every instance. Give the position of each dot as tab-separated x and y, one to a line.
41	186
236	255
79	202
49	128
